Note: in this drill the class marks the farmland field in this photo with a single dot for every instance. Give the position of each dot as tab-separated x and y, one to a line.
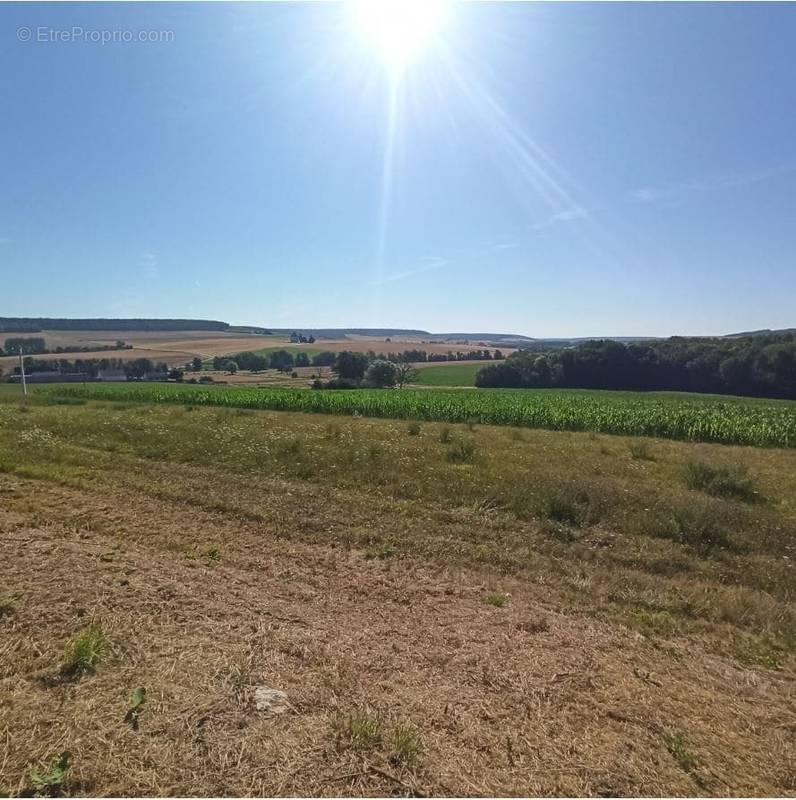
449	374
452	609
707	418
177	347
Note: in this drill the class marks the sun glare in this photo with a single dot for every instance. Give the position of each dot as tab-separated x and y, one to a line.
399	30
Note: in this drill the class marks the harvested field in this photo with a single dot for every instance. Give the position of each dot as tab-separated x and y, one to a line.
177	347
562	637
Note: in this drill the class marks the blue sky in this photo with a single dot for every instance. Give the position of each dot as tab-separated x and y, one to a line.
552	170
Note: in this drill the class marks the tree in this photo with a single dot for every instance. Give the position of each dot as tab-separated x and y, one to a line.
381	374
196	364
324	359
404	373
231	367
281	360
175	374
350	365
302	360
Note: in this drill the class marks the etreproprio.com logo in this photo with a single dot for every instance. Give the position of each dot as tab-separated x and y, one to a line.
47	35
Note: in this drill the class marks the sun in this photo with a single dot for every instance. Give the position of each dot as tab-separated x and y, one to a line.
398	30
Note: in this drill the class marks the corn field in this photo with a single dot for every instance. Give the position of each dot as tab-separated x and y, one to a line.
689	417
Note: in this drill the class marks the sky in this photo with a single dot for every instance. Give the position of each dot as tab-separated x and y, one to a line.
574	169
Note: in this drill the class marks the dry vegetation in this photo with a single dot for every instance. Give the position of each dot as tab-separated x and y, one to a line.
450	609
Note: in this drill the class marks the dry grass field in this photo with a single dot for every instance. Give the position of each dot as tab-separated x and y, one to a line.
451	610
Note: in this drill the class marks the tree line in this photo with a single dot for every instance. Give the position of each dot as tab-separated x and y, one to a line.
133	369
36	345
756	366
36	324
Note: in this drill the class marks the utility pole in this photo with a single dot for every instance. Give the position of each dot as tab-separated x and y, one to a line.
22	370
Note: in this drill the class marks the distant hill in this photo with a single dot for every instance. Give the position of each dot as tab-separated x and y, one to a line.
35	324
763	332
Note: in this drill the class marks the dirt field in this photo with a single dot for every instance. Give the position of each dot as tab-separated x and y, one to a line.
429	642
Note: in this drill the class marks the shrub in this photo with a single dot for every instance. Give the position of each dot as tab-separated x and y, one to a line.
413	428
461	451
720	481
640	451
695	526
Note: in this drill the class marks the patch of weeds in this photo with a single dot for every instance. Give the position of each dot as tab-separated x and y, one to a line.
289	446
640	451
49	780
461	451
533	626
445	435
696	527
677	746
88	649
559	531
413	428
653	623
406	744
7	606
733	482
359	730
561	508
381	550
517	434
332	431
375	451
137	700
471	422
212	555
497	600
575	504
758	652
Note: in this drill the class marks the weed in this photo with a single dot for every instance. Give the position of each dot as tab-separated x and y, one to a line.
382	550
332	431
359	730
517	434
533	626
497	600
695	526
677	746
407	745
461	451
760	652
211	556
560	508
50	780
640	451
413	428
90	647
720	481
137	700
289	446
471	422
445	435
7	606
375	451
